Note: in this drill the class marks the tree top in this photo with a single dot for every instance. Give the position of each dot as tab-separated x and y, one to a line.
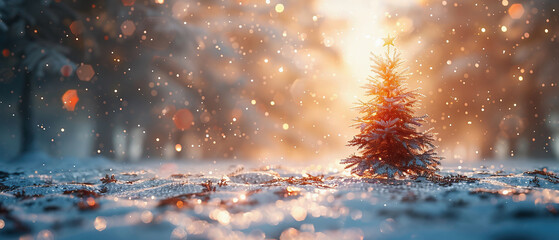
388	41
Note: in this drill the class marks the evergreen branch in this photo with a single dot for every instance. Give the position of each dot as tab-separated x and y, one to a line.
388	140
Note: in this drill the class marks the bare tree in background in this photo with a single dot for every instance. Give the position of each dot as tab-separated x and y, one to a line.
32	35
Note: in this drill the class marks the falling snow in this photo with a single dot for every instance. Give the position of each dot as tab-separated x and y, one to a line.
188	119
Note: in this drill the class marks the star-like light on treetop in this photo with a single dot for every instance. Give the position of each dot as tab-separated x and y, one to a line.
388	41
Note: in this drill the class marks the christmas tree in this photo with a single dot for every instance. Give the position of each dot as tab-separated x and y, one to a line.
389	141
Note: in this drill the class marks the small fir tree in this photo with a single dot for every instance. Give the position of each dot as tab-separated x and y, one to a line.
389	142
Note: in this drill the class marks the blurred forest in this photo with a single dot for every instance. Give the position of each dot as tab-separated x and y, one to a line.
136	79
261	79
489	70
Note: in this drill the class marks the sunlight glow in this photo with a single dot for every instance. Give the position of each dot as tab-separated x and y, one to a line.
279	8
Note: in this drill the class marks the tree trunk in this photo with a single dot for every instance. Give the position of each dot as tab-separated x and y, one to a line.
537	130
153	149
28	142
103	132
513	147
487	148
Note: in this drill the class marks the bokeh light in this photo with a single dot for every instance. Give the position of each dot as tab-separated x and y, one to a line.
66	70
183	119
516	11
85	72
128	28
70	99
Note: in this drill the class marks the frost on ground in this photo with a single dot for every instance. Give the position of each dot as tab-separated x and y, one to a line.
224	200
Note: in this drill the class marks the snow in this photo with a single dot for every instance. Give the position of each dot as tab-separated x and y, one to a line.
66	199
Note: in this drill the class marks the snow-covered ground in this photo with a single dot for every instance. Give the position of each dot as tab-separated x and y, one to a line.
226	200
